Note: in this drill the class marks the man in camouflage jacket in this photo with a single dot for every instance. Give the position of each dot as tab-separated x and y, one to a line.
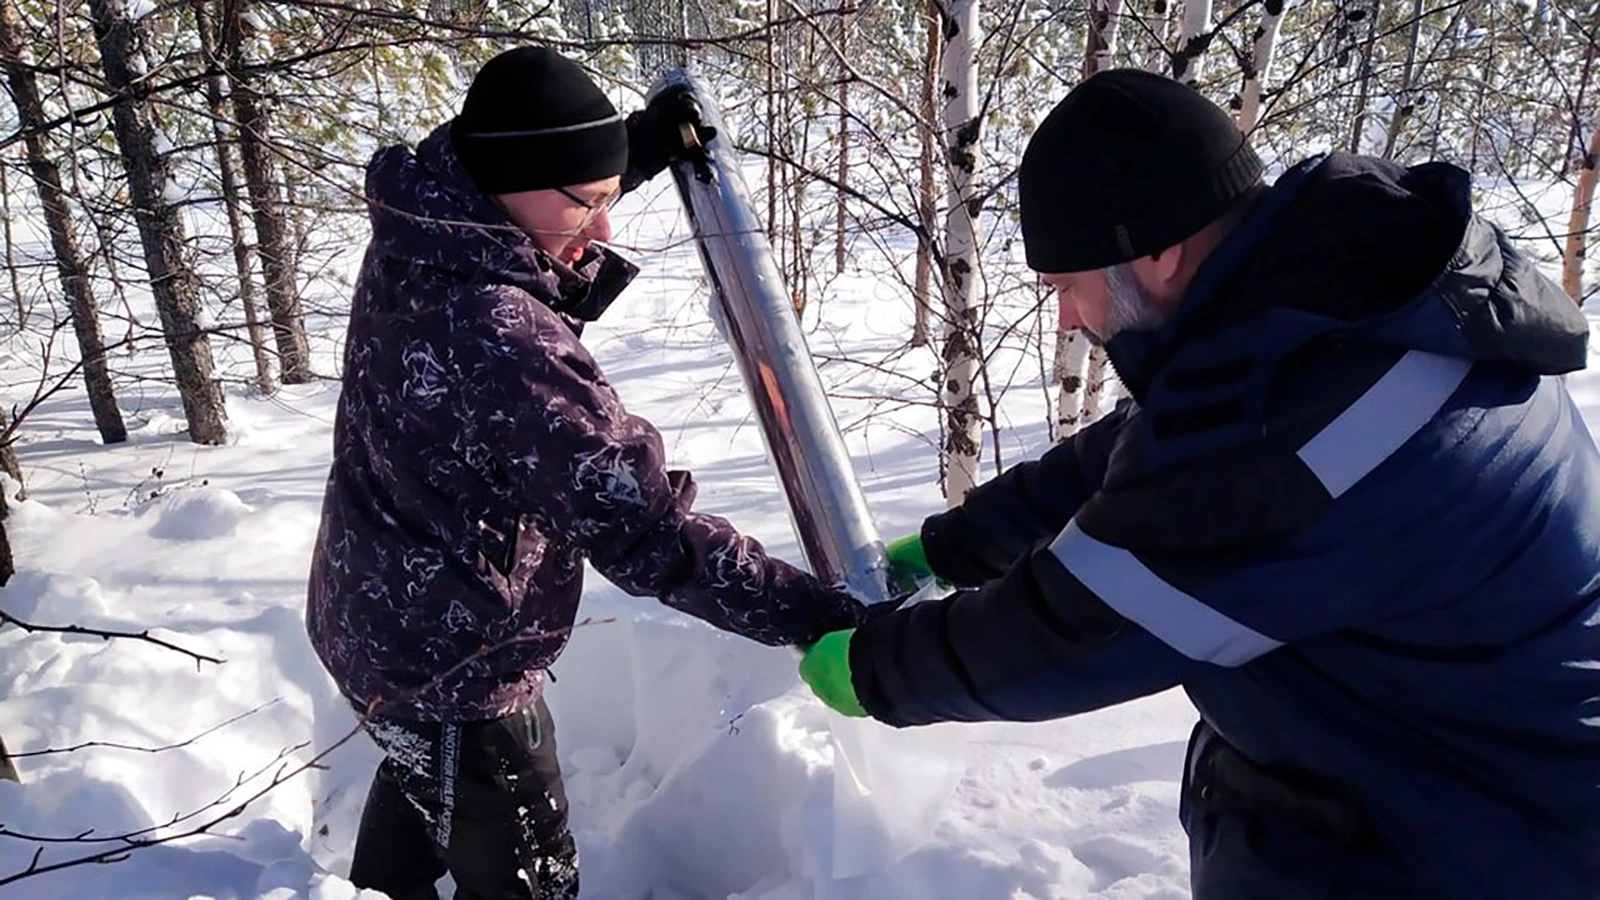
480	457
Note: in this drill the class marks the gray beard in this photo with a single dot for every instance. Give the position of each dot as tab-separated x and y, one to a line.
1132	307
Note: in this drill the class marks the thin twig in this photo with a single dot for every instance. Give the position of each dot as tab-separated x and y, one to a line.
104	634
137	749
131	841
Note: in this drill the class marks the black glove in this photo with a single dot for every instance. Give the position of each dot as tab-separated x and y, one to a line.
656	137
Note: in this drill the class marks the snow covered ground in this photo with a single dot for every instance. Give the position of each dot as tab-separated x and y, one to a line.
698	766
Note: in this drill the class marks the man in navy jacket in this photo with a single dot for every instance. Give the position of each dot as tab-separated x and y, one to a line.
1351	510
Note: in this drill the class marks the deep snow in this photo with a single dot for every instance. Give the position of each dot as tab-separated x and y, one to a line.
698	766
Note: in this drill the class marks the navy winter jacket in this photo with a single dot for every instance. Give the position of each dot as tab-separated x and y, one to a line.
1353	512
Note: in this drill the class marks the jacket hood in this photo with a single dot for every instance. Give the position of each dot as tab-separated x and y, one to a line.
1375	252
426	211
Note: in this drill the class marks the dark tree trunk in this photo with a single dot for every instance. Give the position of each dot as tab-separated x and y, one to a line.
266	201
70	265
8	568
1406	104
231	201
172	280
1358	124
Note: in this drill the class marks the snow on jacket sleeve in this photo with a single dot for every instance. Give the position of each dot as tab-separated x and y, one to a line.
594	473
1102	615
1003	518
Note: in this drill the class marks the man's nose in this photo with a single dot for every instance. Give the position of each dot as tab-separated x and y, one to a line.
599	228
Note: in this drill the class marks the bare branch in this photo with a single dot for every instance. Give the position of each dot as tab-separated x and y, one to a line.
104	634
225	807
112	745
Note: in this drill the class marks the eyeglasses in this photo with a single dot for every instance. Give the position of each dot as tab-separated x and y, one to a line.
594	207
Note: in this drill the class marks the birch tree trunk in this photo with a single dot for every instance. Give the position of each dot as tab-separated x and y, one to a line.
8	568
840	212
1081	369
962	125
800	273
1159	26
1406	102
1103	35
1578	224
11	246
231	201
1358	124
927	198
1101	43
1194	36
9	463
1575	134
773	148
172	279
1260	60
8	769
266	200
1073	352
70	265
1097	384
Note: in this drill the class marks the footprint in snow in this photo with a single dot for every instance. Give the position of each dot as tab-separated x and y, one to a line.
1115	857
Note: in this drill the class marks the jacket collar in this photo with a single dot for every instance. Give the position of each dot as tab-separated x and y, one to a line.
1139	355
425	207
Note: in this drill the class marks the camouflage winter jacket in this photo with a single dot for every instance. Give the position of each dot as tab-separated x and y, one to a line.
480	456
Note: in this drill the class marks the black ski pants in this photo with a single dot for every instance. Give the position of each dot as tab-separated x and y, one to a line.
483	800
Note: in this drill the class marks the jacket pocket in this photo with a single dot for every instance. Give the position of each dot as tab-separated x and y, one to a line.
497	547
1260	833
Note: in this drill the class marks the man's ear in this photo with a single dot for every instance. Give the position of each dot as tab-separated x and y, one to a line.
1166	268
1161	274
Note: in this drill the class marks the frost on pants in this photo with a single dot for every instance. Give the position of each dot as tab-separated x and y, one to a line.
490	798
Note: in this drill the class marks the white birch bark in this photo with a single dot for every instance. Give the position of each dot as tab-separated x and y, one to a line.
1158	24
963	422
1194	34
1578	223
1082	370
1266	41
1105	17
1072	374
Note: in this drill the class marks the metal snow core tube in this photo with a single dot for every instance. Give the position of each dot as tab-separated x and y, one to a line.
756	314
890	785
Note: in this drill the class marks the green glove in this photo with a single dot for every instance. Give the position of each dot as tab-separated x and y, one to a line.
826	668
908	564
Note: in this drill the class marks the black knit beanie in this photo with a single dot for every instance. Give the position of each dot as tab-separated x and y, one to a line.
1128	164
534	120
